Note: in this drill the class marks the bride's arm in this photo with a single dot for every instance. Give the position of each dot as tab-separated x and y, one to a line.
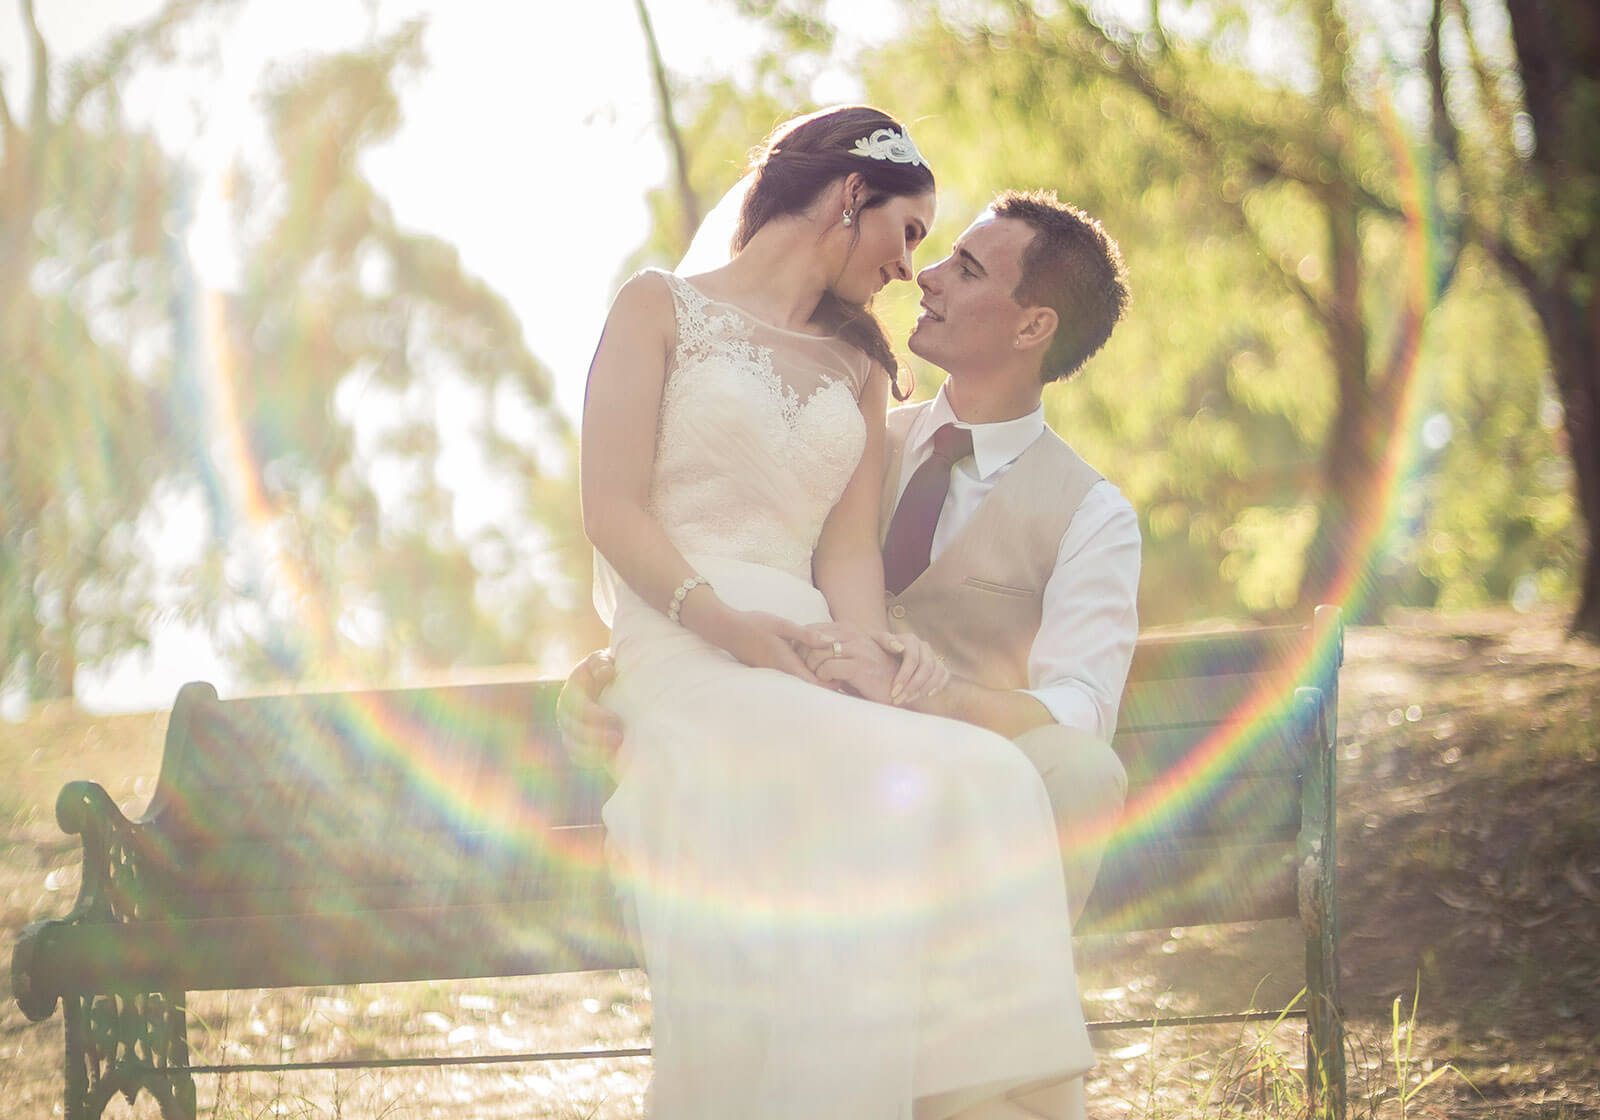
847	566
617	456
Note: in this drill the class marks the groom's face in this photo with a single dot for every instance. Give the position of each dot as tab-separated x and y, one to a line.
969	316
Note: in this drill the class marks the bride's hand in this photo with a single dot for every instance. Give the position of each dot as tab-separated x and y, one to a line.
767	641
922	672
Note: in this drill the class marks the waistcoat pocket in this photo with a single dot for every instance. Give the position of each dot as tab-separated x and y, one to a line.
998	588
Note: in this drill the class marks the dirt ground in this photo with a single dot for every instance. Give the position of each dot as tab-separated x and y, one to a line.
1469	864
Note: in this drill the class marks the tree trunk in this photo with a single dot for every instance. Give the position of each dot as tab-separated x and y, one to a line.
1339	559
1574	343
1558	57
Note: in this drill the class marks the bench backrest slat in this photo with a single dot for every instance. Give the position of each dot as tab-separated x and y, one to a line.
1156	886
263	802
1150	753
329	804
1217	760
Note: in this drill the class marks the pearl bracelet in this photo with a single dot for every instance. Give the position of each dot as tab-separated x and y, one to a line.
688	585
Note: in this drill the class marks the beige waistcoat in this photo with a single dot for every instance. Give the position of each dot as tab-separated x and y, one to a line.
980	602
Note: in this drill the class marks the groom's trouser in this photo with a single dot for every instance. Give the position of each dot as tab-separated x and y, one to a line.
1086	784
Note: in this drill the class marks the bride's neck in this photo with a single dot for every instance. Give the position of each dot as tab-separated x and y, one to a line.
779	275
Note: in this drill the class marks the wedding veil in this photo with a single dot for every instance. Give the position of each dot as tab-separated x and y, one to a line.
712	244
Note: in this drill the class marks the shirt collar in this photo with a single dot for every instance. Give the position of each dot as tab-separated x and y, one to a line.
993	445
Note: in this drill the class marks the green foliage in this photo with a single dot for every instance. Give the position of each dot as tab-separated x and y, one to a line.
1495	520
357	425
1214	405
381	390
1203	405
85	342
1224	406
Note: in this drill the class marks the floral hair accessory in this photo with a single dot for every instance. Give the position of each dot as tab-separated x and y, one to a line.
886	143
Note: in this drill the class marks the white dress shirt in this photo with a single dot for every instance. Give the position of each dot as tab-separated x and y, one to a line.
1079	659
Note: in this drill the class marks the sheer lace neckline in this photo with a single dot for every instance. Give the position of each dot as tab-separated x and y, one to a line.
747	313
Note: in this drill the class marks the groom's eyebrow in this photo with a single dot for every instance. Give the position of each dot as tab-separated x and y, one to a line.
969	259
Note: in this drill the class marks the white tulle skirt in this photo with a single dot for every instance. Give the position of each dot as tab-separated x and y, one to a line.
843	906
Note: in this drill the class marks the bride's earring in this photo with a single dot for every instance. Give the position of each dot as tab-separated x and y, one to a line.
849	217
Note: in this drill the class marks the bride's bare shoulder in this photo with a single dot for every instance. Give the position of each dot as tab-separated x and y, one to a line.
645	299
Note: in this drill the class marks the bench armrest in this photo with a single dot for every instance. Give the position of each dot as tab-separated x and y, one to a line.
109	891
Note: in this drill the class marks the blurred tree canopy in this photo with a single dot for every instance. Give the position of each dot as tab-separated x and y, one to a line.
1329	388
86	284
384	393
1361	363
357	423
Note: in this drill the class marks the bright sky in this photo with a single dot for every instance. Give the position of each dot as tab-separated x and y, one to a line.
572	81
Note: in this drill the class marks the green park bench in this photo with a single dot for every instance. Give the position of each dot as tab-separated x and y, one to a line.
443	833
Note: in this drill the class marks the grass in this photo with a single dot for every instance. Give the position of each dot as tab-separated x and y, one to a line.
1470	871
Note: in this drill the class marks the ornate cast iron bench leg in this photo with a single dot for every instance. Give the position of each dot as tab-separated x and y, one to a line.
125	1043
115	1043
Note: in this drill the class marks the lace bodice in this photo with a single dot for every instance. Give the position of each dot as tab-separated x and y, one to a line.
760	430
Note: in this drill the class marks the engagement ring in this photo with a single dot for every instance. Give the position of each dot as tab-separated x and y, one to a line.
838	649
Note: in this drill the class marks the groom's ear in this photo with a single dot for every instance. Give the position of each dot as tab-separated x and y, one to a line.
1037	328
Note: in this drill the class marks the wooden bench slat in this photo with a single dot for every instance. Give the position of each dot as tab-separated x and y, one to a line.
1241	810
1187	655
391	808
1261	750
280	863
302	950
328	900
1202	701
248	868
1156	884
463	739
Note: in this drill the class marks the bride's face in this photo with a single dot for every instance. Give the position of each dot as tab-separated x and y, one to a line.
888	235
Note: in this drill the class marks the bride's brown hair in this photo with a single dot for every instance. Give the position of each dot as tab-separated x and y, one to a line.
791	170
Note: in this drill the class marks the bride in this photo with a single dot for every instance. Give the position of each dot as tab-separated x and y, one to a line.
844	907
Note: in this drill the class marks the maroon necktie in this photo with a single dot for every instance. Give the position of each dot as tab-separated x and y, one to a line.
910	537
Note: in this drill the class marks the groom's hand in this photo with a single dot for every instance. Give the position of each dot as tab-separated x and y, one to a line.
590	732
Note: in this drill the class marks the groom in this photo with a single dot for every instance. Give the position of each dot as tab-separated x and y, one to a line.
1003	548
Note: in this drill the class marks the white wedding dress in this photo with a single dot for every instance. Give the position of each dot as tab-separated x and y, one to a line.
843	906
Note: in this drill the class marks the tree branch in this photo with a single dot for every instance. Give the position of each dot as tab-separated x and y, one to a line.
1319	309
1266	153
1494	105
1129	71
669	124
126	47
1260	154
1515	265
1444	126
39	107
1160	31
8	126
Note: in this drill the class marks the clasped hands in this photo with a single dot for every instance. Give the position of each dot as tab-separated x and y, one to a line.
888	668
878	665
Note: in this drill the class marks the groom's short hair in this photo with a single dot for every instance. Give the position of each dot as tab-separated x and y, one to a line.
1071	266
